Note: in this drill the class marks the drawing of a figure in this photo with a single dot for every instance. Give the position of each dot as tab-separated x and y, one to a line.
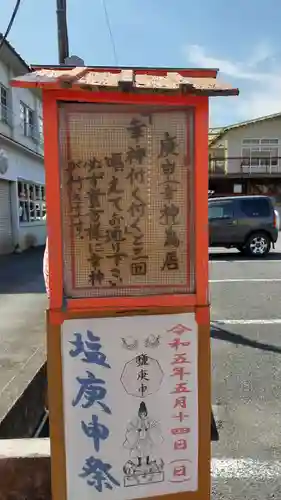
143	436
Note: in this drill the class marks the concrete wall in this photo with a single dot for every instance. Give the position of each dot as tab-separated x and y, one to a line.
25	469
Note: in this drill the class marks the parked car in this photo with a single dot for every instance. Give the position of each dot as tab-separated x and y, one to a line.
248	223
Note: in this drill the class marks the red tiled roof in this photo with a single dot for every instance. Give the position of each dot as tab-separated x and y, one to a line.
130	79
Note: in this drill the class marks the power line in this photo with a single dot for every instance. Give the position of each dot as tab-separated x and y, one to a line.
16	8
110	31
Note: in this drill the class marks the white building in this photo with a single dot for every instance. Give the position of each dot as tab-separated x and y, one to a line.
22	176
245	158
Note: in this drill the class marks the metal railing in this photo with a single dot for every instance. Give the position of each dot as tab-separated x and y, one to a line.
244	166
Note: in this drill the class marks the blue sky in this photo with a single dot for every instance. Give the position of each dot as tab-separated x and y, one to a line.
241	38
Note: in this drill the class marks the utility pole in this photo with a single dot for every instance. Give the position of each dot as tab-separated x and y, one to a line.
63	46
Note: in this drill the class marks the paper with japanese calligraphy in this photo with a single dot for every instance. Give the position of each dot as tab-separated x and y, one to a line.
130	406
126	200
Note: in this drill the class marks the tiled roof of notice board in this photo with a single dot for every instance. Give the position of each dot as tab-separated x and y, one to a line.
188	81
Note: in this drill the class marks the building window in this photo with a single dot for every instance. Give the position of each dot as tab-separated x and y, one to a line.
27	117
217	153
32	202
260	152
4	104
40	130
217	160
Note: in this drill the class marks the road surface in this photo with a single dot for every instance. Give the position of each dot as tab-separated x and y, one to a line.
246	359
22	326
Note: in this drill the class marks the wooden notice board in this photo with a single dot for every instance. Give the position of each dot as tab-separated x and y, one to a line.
130	417
127	193
126	157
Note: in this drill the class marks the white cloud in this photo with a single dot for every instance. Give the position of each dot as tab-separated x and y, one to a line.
256	77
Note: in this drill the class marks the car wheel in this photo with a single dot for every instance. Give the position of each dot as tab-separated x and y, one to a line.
258	245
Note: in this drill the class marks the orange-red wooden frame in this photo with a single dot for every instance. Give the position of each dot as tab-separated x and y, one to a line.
55	320
98	307
51	98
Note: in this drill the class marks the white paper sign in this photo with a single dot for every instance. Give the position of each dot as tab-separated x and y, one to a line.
130	406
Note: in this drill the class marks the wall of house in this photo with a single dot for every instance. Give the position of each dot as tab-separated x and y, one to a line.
267	129
232	141
32	99
24	95
24	166
4	79
23	153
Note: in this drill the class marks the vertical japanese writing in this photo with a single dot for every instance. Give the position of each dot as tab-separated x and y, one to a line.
125	203
75	190
92	393
142	362
169	215
180	364
94	176
115	234
135	158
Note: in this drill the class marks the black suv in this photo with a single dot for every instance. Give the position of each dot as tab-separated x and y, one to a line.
247	223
